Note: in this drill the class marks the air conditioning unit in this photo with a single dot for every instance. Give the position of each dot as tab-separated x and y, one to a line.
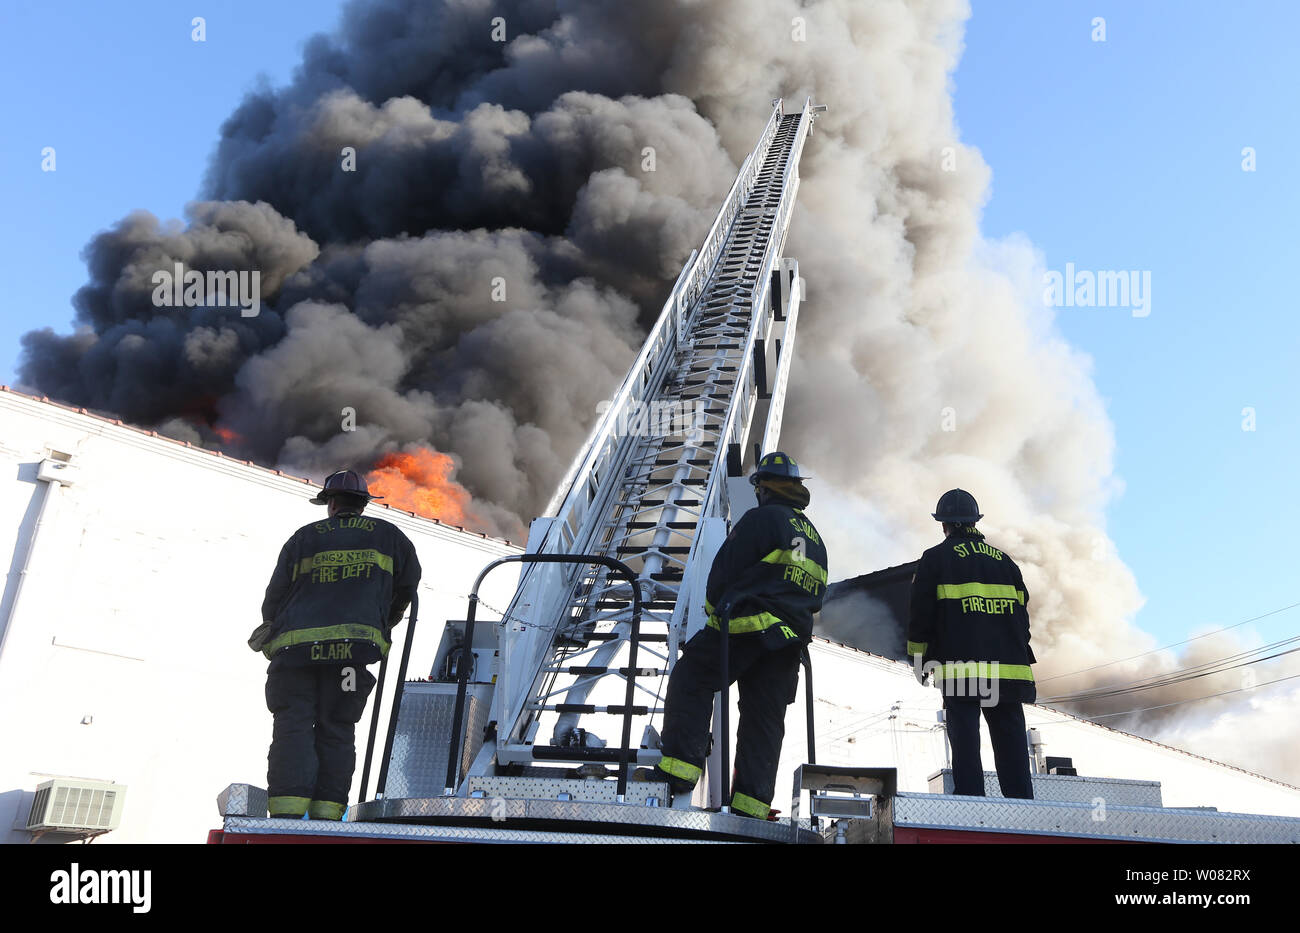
69	806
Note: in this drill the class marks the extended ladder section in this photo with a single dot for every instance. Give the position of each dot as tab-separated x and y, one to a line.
650	489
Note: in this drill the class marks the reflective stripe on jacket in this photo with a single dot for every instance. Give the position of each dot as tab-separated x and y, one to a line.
338	588
969	612
772	569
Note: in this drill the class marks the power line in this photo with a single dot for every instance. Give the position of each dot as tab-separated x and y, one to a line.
1212	696
862	723
1145	709
1178	675
1167	647
1164	683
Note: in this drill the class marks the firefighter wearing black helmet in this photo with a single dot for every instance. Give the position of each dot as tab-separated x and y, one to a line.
339	587
768	578
969	629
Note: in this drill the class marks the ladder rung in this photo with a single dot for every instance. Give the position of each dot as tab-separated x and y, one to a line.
625	603
588	708
610	636
563	753
639	549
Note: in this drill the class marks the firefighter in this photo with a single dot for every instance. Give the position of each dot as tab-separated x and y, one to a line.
338	589
969	627
768	578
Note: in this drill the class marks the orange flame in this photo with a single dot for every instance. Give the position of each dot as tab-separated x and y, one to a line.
420	482
226	435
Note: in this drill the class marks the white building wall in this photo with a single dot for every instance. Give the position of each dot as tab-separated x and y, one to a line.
146	581
870	711
126	659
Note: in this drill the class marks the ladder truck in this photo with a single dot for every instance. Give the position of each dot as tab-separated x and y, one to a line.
529	727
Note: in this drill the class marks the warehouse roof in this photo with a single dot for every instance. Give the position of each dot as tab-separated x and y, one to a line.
108	419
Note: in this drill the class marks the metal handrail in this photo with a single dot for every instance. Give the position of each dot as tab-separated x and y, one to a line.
626	754
397	705
724	726
374	728
397	696
808	701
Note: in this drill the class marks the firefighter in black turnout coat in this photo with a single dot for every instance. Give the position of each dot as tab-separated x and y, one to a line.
769	577
339	587
969	628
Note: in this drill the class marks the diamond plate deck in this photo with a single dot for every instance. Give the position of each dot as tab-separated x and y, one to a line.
242	800
418	766
406	833
594	791
1117	792
566	816
1061	818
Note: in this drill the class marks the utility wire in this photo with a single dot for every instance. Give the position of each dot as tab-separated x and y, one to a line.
1212	696
1177	675
1163	683
863	723
1167	677
1167	647
1052	722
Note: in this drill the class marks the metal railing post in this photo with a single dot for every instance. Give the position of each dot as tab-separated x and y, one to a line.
374	727
382	782
808	694
724	626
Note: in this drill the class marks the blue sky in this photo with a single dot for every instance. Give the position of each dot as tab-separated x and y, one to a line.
1126	154
67	69
1123	154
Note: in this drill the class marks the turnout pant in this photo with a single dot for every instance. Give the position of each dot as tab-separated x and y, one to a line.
768	681
312	756
1010	748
